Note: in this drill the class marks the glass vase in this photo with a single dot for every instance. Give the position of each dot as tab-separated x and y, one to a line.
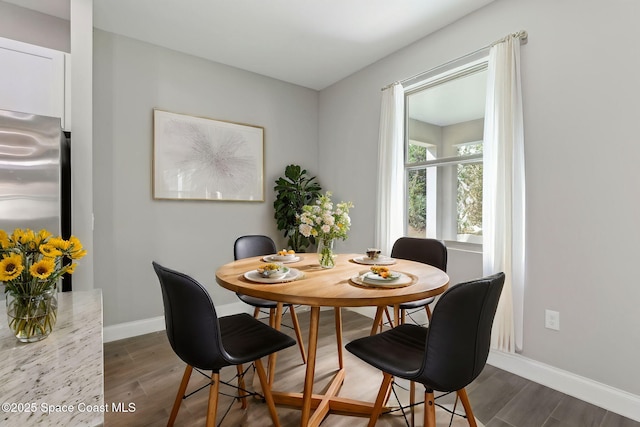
32	317
326	257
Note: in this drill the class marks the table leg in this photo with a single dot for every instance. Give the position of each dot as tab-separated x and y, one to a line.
278	320
396	315
311	365
377	320
272	357
338	316
272	317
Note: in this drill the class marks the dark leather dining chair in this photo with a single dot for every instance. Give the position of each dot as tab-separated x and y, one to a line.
256	245
446	356
205	342
426	251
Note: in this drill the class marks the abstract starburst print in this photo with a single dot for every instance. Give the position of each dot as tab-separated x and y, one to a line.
210	162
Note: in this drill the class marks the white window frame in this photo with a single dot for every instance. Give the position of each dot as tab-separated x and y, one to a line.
435	220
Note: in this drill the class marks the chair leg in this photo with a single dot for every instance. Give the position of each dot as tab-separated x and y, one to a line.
212	409
412	401
388	393
266	390
471	419
180	395
296	328
429	409
426	307
256	312
242	394
377	407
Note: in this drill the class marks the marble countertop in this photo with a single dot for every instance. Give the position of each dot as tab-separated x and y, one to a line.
58	381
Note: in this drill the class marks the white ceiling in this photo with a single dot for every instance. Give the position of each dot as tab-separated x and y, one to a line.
312	43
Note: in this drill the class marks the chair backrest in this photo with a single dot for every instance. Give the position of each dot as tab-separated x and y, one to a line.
253	245
190	318
426	251
459	334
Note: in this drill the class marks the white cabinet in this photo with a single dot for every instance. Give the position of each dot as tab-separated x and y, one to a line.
32	80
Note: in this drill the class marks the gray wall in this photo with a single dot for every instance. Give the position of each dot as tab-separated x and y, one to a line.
131	229
28	26
580	86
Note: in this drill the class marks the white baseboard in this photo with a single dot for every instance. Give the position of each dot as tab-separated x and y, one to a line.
588	390
155	324
599	394
132	329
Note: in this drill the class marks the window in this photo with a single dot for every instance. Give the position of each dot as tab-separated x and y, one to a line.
443	155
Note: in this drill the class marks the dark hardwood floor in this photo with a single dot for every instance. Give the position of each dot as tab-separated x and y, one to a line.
144	371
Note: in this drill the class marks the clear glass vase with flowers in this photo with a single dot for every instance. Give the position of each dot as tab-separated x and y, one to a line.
30	268
325	224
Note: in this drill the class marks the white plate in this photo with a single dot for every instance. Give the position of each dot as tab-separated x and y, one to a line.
370	277
402	281
381	260
276	258
254	276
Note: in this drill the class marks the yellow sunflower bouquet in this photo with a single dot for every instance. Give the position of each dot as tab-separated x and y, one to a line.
30	268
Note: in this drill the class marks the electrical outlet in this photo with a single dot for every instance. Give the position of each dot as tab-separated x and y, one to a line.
552	320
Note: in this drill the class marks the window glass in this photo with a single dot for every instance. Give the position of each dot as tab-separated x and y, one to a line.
443	156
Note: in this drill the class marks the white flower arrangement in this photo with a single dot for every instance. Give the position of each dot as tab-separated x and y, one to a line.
323	222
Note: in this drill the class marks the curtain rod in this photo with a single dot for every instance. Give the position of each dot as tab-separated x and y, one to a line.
522	35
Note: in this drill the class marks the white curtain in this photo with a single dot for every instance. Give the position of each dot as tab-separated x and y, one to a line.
390	206
504	190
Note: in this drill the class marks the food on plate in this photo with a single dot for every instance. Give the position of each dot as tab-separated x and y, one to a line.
269	269
285	252
381	271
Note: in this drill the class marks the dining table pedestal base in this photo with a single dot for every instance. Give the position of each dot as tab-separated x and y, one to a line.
323	404
329	402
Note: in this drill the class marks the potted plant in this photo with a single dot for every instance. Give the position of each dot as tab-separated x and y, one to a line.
293	191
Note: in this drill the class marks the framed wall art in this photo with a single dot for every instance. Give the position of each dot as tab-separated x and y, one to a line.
196	158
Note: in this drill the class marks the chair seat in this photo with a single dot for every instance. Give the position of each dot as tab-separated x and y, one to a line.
244	339
398	351
416	304
259	302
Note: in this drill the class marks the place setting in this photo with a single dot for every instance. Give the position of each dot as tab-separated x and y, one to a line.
284	256
382	277
273	272
374	257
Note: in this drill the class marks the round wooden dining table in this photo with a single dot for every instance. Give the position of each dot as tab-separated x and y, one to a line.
311	285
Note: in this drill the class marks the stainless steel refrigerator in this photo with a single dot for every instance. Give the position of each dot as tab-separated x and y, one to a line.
34	174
